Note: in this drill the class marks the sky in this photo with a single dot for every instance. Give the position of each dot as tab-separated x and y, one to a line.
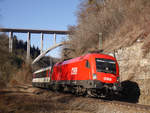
39	14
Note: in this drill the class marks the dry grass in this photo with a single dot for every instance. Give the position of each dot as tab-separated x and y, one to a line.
24	75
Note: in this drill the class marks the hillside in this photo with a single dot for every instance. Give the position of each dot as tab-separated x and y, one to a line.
124	25
10	63
13	67
121	22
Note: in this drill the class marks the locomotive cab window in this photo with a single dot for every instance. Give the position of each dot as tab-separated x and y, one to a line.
105	65
87	64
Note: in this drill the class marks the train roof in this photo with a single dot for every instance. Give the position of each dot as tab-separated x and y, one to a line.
41	70
86	57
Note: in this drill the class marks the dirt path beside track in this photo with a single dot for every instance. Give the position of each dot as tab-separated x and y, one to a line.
25	99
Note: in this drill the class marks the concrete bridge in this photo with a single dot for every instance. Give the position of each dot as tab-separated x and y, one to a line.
33	31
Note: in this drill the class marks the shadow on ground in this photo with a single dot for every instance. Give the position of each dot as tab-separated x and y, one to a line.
130	92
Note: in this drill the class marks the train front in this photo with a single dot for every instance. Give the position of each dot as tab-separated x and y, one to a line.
106	75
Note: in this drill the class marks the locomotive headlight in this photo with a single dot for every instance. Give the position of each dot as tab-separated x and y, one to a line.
94	76
114	87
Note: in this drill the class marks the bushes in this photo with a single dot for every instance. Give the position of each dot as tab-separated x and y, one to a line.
9	64
23	75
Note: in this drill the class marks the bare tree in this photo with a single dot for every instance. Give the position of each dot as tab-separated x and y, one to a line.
113	18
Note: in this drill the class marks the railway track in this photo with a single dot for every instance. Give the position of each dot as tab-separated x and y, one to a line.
136	107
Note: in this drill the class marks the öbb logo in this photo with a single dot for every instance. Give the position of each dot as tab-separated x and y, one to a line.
74	71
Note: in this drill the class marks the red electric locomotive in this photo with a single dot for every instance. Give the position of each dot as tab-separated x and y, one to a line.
93	74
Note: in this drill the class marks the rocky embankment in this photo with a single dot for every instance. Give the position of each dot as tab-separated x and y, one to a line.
135	66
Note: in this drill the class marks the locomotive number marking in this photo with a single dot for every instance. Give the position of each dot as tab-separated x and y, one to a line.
107	78
74	71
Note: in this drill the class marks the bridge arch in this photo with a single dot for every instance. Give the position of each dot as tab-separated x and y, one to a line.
45	52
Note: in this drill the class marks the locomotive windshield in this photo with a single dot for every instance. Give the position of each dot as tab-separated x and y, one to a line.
105	65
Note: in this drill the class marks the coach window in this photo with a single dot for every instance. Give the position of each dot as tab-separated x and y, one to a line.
87	64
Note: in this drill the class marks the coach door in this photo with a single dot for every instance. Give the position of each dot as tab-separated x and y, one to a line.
88	69
50	73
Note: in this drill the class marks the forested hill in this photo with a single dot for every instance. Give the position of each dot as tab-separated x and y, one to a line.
13	65
20	48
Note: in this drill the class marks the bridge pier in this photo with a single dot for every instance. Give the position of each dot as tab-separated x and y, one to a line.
54	39
10	41
42	36
28	47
